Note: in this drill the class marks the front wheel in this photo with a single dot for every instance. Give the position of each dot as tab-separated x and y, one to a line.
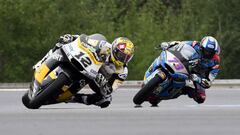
46	94
143	94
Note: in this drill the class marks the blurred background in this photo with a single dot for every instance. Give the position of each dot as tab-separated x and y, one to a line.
29	28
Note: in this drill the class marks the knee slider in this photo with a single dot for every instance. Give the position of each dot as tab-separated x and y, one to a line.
199	100
105	104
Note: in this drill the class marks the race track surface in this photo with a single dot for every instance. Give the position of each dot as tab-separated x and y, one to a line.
219	115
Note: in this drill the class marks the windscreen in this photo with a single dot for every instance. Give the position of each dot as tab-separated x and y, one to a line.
184	52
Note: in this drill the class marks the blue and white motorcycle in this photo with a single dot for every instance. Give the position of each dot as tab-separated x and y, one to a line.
167	75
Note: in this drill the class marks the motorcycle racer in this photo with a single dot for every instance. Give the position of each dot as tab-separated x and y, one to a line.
207	68
113	72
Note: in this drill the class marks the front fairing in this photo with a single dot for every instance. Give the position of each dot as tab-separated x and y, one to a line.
159	64
83	57
175	63
152	70
149	75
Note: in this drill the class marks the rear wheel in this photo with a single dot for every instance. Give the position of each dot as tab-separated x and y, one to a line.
147	89
46	94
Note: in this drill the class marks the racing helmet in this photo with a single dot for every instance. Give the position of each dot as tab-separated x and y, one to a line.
209	47
122	51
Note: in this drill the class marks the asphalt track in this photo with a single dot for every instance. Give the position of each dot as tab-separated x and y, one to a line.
219	115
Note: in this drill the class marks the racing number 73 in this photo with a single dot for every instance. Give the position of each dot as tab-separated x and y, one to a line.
85	61
176	63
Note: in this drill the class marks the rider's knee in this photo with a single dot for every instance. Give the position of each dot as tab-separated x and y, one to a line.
200	98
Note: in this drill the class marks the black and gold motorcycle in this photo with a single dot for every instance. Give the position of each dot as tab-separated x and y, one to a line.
80	65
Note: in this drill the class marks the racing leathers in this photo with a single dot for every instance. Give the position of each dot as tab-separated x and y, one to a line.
202	75
109	78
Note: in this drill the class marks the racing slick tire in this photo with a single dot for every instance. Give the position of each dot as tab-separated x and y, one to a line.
147	89
46	94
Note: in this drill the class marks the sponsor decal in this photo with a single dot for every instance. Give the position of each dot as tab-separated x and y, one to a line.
94	72
122	46
57	57
211	46
82	83
93	42
101	44
122	76
194	43
176	63
211	39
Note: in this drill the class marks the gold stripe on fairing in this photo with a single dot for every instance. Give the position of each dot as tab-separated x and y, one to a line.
144	78
65	88
41	72
52	75
63	97
93	42
88	52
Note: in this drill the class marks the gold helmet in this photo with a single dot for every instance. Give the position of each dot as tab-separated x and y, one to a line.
122	51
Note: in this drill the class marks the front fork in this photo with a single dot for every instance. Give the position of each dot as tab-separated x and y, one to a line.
154	97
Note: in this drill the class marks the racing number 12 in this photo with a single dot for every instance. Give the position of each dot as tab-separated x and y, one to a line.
85	61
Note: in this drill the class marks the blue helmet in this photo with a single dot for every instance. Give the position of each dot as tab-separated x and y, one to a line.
209	47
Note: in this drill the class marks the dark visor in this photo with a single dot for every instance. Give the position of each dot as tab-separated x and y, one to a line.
122	56
208	53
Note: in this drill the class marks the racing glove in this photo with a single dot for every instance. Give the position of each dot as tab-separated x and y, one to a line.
67	38
203	82
166	45
195	78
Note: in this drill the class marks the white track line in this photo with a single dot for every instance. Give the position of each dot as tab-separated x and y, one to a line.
87	89
220	106
13	89
122	89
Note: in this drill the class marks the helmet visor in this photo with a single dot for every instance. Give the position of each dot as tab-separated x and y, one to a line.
208	54
121	56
